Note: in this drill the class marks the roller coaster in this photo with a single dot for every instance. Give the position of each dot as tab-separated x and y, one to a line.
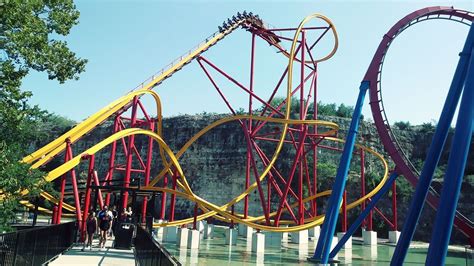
295	187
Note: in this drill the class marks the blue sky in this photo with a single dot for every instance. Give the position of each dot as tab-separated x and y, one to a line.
127	41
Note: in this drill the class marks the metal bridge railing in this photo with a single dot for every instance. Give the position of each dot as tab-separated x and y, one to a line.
36	246
149	252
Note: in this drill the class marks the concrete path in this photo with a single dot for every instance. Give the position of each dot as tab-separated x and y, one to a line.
109	256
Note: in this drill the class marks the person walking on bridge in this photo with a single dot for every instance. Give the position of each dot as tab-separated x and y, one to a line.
105	221
91	226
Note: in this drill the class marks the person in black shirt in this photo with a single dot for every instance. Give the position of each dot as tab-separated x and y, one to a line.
91	227
105	222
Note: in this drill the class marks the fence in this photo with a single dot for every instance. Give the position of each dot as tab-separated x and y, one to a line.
149	252
36	246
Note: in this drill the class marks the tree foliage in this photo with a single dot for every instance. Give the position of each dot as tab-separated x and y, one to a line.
325	109
27	30
402	125
427	127
30	33
15	177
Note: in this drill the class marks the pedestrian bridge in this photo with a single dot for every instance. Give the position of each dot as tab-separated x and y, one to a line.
60	245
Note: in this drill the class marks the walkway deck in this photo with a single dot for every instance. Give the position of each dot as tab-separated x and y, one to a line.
107	257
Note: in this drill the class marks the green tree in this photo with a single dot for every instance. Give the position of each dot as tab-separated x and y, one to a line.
15	177
30	33
402	125
27	31
427	128
344	110
327	109
278	100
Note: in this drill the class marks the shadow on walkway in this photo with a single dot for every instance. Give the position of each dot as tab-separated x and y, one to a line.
95	256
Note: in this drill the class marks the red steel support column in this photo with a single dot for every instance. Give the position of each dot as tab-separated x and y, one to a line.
97	183
247	172
362	184
147	170
231	220
74	185
368	221
131	143
315	148
54	215
344	211
195	216
269	194
247	183
63	186
308	182
110	174
302	137
87	199
163	198
252	62
61	195
173	196
394	206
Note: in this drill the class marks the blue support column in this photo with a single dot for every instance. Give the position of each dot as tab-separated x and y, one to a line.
454	174
321	253
434	153
386	187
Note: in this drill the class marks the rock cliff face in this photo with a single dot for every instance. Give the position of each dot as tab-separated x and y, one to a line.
215	166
